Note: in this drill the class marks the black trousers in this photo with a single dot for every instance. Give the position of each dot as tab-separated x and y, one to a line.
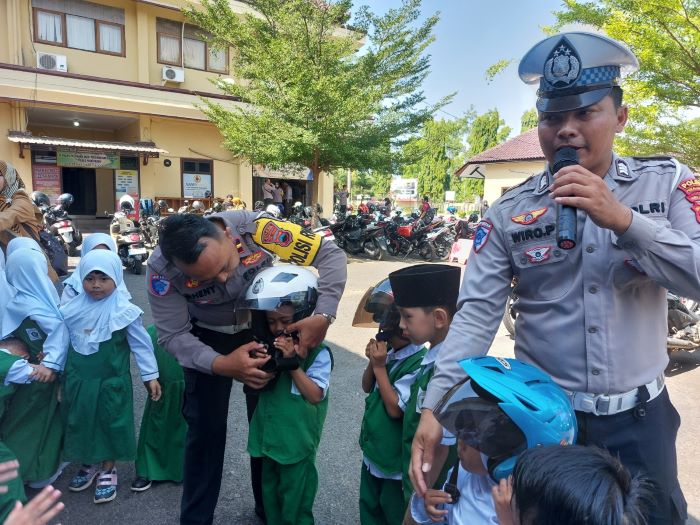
646	445
206	411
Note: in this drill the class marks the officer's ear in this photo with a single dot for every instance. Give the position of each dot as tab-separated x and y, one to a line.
229	233
622	114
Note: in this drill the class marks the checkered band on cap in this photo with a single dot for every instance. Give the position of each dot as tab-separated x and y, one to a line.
609	75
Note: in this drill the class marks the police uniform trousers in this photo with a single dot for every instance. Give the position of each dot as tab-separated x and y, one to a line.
645	444
205	409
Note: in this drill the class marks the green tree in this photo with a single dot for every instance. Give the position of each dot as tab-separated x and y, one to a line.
665	36
487	130
381	184
529	120
310	99
361	182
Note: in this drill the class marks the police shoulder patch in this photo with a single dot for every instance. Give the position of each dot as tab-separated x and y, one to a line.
158	285
481	236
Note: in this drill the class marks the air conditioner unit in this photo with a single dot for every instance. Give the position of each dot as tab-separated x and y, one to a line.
173	74
52	62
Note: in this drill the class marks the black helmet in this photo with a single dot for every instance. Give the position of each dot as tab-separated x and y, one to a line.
377	308
474	217
40	199
162	204
65	199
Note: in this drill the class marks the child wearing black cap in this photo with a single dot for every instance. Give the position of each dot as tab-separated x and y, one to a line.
426	295
393	365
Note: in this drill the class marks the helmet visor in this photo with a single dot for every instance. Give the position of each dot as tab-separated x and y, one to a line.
297	301
479	422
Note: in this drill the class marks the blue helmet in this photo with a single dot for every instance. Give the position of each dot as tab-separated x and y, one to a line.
504	407
452	209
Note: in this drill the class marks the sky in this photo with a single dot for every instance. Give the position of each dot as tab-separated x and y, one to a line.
472	35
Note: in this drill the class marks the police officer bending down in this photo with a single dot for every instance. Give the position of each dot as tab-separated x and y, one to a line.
195	276
593	316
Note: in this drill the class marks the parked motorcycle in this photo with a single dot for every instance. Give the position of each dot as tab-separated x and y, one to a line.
150	219
57	221
404	238
128	236
357	238
440	242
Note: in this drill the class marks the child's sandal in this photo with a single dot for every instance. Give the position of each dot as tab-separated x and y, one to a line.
106	489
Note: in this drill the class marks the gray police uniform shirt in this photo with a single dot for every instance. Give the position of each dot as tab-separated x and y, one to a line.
176	299
593	317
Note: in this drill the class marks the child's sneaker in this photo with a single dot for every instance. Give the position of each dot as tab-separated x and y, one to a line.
106	489
140	484
83	479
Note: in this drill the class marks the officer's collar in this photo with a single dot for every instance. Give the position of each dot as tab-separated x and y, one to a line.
619	171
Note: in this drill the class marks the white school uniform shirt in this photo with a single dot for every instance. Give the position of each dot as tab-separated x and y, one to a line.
474	507
402	387
19	371
429	362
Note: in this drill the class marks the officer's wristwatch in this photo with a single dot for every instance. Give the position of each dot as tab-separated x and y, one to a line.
328	317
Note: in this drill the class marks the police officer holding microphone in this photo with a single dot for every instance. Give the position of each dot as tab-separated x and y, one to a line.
194	278
595	241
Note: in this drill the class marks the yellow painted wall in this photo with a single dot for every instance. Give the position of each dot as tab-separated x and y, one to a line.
12	117
501	175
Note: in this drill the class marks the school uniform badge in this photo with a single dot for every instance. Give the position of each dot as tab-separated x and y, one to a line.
33	334
158	285
529	217
481	236
539	254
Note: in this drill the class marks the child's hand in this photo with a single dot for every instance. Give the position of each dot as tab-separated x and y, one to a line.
433	499
368	348
286	346
153	387
40	510
502	496
377	355
42	374
40	356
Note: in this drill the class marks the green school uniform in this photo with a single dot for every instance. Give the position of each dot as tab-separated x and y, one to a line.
381	500
32	427
285	431
15	487
411	419
161	448
98	404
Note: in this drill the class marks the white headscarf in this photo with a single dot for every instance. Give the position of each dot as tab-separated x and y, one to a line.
7	292
28	272
23	242
91	322
89	244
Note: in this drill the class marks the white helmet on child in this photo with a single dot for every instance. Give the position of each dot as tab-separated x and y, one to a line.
273	210
283	285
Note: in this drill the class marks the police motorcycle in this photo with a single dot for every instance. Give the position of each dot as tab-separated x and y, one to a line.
356	237
128	236
57	222
683	323
150	219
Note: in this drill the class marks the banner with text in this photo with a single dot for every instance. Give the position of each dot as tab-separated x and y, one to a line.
195	185
47	179
126	182
87	159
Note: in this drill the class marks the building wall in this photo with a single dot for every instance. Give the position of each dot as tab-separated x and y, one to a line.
501	175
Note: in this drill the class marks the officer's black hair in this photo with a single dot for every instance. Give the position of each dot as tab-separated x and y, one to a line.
616	95
181	235
577	485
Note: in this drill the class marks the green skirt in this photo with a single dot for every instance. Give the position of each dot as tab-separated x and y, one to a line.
15	487
98	404
33	430
161	448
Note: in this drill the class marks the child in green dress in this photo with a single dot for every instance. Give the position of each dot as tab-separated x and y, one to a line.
32	427
285	429
104	328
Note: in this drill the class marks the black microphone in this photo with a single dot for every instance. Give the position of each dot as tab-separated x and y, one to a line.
566	215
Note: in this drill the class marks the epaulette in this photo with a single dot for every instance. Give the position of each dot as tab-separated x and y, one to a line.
653	163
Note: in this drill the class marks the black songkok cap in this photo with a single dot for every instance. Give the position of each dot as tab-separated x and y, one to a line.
426	285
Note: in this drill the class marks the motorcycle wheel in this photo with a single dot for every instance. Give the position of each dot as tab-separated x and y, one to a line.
73	249
426	252
509	316
392	249
136	268
372	249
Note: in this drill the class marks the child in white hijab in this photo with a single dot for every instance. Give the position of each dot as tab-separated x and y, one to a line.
73	285
32	427
104	328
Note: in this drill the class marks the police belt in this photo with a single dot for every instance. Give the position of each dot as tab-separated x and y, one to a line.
223	329
610	404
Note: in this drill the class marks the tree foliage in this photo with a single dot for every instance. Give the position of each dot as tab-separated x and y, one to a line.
528	120
310	99
665	36
487	130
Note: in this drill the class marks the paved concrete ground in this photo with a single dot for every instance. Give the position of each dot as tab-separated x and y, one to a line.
339	456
